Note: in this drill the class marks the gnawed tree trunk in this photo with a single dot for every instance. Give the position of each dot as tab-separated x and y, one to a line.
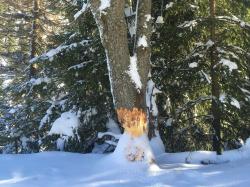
129	100
215	108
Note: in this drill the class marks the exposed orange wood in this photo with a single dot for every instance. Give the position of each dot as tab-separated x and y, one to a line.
134	121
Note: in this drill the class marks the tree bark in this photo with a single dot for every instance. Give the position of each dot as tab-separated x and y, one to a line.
144	29
113	32
34	36
215	108
129	102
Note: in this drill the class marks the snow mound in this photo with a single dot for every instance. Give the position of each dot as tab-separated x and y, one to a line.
66	124
157	144
54	169
247	144
198	157
129	147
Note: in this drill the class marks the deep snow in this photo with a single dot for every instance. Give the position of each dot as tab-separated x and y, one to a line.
61	169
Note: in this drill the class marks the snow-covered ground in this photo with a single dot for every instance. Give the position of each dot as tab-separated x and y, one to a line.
61	169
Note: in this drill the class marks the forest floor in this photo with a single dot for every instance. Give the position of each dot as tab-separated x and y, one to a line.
61	169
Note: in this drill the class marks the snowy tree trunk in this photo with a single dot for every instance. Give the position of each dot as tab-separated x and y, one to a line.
215	108
143	51
113	32
129	99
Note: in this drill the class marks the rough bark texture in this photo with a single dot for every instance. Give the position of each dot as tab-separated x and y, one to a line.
114	34
215	108
113	31
144	28
35	25
130	104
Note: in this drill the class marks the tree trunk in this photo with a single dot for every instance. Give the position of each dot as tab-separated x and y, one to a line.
215	108
144	30
129	101
34	36
113	32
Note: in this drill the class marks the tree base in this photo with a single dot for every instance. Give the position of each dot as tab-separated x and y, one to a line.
134	149
134	143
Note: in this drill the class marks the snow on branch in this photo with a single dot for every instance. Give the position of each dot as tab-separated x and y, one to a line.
234	102
193	65
192	103
238	49
236	20
65	125
88	114
227	53
46	117
186	24
38	81
245	91
231	65
209	43
53	52
111	142
102	134
233	19
169	5
159	20
35	82
85	6
81	65
55	103
194	6
207	77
